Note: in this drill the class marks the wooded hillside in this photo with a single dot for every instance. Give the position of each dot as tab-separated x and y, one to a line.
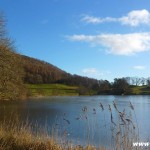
40	72
37	71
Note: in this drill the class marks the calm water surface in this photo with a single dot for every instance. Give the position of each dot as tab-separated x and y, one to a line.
65	114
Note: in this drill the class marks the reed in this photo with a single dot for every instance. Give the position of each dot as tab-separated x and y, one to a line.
22	136
125	132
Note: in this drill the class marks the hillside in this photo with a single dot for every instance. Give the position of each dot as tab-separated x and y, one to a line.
41	72
37	71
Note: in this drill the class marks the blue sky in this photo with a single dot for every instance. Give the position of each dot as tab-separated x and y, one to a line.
102	39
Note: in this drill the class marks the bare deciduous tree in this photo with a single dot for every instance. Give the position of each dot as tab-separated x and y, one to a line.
11	86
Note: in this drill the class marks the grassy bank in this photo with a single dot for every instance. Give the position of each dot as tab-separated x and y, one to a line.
51	90
65	90
16	136
140	90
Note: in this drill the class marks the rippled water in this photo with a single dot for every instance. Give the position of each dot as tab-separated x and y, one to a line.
67	115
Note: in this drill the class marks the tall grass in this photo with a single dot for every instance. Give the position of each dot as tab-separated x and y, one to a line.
16	136
23	136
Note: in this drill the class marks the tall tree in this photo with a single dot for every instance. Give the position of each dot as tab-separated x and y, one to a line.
120	86
11	86
148	82
104	87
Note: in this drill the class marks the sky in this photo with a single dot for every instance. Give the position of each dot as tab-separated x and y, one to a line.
102	39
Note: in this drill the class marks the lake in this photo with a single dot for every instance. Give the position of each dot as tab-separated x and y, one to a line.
80	118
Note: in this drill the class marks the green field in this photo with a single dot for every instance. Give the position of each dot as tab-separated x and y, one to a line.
51	90
36	90
140	90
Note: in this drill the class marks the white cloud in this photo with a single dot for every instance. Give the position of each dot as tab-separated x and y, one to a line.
136	17
91	71
133	18
96	20
118	44
139	67
95	73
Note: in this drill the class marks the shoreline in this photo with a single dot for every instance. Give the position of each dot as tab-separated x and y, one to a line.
47	96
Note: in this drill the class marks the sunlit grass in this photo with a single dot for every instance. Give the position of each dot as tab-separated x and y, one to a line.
51	90
140	90
36	90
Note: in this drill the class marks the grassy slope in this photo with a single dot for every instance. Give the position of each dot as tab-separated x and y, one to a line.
65	90
51	90
140	90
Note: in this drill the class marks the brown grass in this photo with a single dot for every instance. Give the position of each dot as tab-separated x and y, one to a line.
21	137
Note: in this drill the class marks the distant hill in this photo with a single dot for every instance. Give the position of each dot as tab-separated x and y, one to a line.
37	71
41	72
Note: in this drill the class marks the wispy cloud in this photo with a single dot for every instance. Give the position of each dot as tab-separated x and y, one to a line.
96	20
118	44
133	18
139	67
91	71
94	73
